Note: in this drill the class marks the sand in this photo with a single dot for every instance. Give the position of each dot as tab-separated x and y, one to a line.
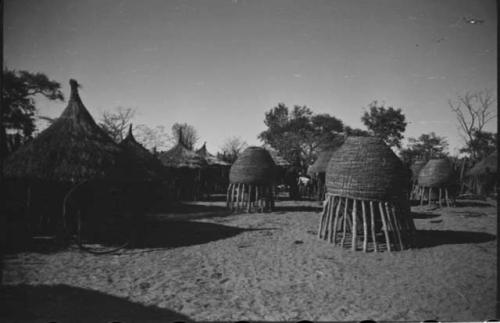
218	266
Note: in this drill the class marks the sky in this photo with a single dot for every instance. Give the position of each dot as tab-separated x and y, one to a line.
220	65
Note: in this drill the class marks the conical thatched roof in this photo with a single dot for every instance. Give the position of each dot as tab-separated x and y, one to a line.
277	159
145	163
209	158
254	166
321	163
487	165
182	157
366	168
415	168
436	173
72	149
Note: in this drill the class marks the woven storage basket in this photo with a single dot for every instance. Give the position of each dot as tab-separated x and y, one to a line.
254	166
416	167
366	168
321	164
436	173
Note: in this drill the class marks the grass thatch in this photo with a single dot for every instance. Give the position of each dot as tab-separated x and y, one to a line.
321	164
415	168
254	166
366	168
486	166
182	157
278	159
74	148
145	163
436	173
209	158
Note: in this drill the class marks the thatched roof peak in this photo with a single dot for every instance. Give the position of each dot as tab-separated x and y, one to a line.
130	135
209	158
181	156
488	165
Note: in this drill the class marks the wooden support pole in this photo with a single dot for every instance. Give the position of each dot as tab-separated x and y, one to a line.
374	237
430	195
422	196
365	226
228	195
322	219
354	225
337	211
344	222
243	199
395	224
390	225
384	227
439	190
256	201
446	197
331	204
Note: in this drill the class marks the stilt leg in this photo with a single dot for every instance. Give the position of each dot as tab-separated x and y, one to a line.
322	219
354	225
395	224
446	197
344	222
365	226
331	205
374	237
439	190
228	196
430	196
384	227
422	196
337	211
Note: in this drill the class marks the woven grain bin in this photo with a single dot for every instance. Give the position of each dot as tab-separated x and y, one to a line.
437	175
251	181
415	168
367	198
481	178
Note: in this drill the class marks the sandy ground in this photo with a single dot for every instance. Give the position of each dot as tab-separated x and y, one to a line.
218	266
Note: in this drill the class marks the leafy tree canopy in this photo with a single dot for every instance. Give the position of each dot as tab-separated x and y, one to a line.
387	123
425	147
297	134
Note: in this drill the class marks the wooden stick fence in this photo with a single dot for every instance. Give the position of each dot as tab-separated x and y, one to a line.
249	197
366	225
441	196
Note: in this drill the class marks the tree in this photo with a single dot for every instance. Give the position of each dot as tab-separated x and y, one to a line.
116	122
386	123
425	147
298	134
473	110
348	131
483	144
19	107
231	149
186	134
152	138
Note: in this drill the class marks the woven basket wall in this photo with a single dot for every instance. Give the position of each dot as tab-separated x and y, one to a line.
254	166
416	167
436	173
366	168
321	164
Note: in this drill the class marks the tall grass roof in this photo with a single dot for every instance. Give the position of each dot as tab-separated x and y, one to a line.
416	167
209	158
182	157
366	168
278	159
145	164
485	166
254	166
436	173
74	148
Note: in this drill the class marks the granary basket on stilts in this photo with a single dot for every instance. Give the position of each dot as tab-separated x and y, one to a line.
366	205
435	180
251	181
415	168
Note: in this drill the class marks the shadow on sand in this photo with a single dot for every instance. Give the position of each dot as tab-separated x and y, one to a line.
63	303
298	208
423	215
465	203
433	238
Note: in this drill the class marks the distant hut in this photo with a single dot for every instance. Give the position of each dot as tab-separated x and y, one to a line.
186	169
215	177
482	177
436	181
318	171
366	198
281	166
71	152
415	168
147	166
251	181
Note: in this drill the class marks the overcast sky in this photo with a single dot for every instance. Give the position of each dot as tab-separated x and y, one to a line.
219	65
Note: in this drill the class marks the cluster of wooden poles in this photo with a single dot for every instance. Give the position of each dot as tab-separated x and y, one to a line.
250	197
347	221
422	192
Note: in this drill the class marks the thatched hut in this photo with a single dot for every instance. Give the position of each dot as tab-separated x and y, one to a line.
318	172
186	168
215	177
436	181
73	159
251	181
415	169
366	197
482	177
